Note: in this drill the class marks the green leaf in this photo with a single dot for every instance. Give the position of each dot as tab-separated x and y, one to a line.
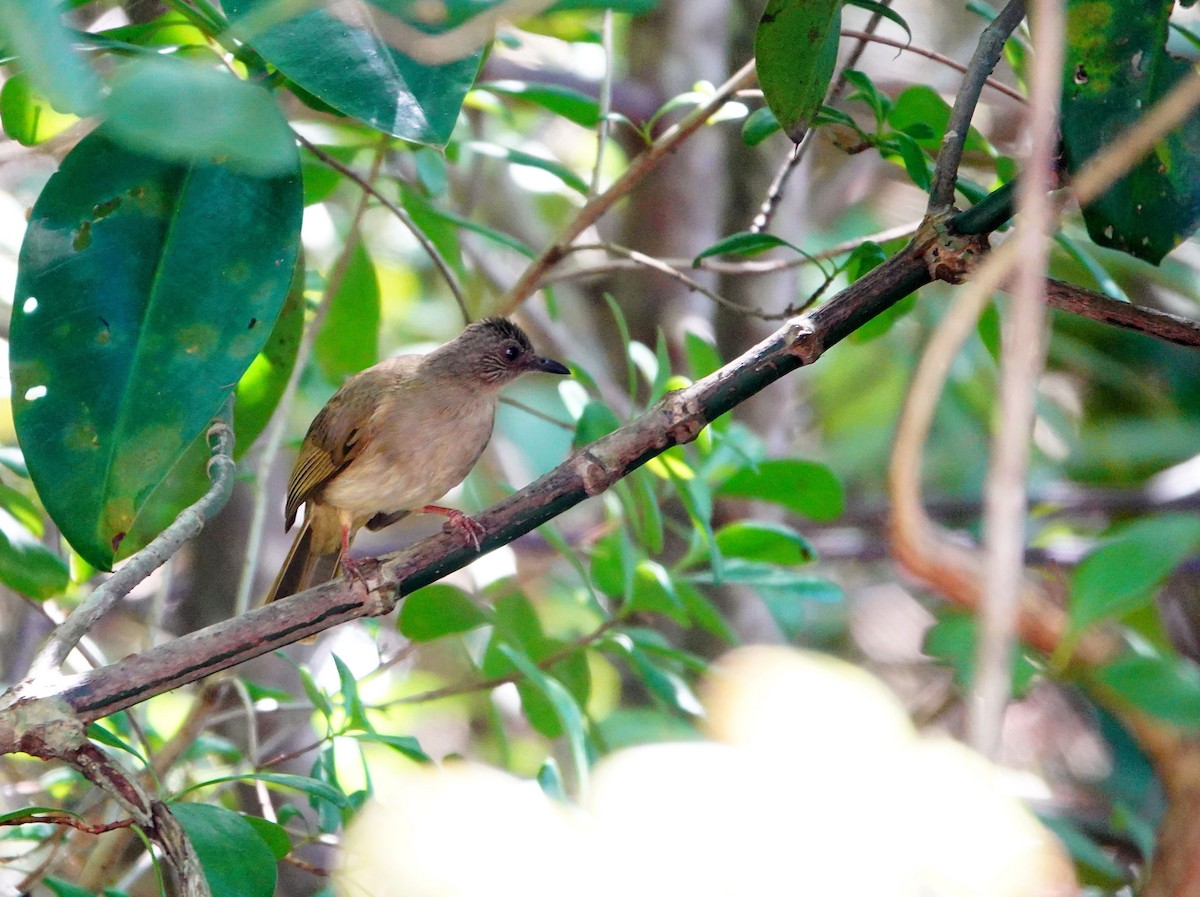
1123	573
772	543
808	488
237	862
316	696
144	291
885	11
922	108
613	560
529	160
865	90
101	735
758	126
1116	66
569	714
953	640
401	744
262	386
348	341
27	117
63	888
746	243
703	357
273	834
865	258
439	610
188	113
796	47
653	592
354	70
35	34
1166	687
570	104
26	565
352	705
915	161
316	789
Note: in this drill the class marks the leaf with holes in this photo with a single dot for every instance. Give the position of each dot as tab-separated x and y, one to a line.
144	290
1115	68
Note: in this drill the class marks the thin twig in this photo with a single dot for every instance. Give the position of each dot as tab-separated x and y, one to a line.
638	169
1021	362
999	86
186	526
648	261
273	437
538	413
749	267
367	184
68	820
605	101
983	61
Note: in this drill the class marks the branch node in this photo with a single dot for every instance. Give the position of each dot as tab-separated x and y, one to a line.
592	473
804	342
953	257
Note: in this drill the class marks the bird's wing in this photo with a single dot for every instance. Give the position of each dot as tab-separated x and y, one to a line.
340	431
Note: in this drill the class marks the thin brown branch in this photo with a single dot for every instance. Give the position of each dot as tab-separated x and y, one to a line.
983	61
998	86
367	185
677	418
638	169
1104	309
70	821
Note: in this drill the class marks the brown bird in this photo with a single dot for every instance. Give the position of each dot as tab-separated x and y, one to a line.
395	438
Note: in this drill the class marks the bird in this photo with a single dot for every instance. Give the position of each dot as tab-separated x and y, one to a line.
394	439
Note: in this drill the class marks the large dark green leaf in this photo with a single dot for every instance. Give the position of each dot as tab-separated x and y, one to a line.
352	69
144	290
237	861
1116	67
795	49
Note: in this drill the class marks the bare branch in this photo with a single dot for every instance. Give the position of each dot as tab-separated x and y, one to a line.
1106	310
983	60
638	169
367	184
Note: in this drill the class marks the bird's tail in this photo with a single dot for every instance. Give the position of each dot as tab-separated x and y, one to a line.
304	568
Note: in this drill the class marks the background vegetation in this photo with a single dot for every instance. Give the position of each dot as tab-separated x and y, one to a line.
210	215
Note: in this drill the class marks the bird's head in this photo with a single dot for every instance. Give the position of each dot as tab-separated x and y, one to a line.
493	351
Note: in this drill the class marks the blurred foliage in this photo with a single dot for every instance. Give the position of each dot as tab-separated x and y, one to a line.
183	249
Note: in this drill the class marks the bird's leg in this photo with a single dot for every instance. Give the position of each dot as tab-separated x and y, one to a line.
350	565
471	529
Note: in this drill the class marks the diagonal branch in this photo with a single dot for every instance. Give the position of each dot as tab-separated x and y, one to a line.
675	419
987	54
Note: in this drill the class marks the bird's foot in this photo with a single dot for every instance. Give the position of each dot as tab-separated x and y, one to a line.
470	528
358	569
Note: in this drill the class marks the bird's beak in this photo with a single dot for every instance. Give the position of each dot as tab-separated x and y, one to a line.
549	366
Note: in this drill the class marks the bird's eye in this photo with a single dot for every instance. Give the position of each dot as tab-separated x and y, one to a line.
511	353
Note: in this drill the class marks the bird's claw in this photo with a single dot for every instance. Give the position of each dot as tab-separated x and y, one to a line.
470	528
